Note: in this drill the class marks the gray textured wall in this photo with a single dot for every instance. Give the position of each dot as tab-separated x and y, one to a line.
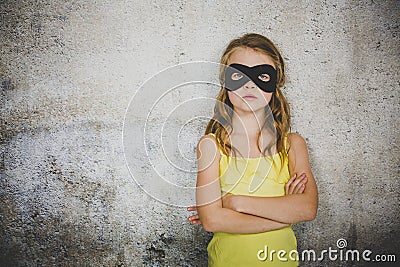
69	69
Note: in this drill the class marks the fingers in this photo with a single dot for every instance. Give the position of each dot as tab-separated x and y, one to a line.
296	182
195	219
301	190
300	186
191	208
287	186
296	185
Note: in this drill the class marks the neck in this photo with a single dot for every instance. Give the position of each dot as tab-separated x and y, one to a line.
248	122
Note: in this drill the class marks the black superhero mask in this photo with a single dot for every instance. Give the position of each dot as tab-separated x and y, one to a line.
264	76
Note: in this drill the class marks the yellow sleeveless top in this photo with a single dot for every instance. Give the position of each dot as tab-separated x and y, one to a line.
253	177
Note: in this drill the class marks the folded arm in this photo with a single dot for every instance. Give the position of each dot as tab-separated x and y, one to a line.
213	216
291	208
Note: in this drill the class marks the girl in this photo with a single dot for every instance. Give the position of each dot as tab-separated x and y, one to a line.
250	205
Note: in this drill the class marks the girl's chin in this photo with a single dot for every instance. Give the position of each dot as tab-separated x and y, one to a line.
251	108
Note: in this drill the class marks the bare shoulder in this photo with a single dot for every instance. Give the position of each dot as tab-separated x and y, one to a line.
207	141
208	158
207	146
296	142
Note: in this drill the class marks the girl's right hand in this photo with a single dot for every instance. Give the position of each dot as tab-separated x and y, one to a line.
194	219
296	185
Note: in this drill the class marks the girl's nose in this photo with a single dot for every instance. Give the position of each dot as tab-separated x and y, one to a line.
250	84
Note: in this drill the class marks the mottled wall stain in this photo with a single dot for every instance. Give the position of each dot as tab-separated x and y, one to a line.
69	68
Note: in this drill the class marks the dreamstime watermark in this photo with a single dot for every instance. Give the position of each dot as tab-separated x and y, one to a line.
338	253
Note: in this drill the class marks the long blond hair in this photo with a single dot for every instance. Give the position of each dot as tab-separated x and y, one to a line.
223	110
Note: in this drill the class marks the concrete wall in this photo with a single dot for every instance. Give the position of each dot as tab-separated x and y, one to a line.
70	68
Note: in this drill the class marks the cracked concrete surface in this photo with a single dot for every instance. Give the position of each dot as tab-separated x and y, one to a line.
69	68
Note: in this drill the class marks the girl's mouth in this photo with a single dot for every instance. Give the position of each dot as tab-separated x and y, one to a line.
249	97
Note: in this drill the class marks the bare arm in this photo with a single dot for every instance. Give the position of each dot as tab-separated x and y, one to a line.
290	208
213	217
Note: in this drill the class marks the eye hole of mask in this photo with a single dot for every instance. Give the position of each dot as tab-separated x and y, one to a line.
264	77
236	76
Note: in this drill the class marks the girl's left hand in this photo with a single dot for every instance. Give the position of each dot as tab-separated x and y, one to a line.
296	184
